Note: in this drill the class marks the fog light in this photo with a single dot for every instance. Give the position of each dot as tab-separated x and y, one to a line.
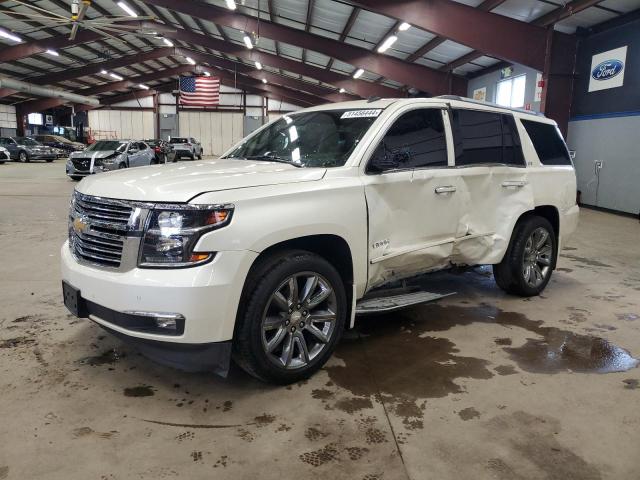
166	323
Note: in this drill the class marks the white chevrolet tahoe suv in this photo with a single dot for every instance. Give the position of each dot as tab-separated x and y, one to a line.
265	254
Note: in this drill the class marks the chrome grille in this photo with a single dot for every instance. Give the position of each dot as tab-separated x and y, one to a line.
103	211
97	247
105	232
81	163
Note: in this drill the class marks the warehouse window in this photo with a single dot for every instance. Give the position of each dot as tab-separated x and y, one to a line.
548	142
482	138
417	139
510	92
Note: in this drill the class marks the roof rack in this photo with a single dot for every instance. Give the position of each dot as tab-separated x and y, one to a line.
488	104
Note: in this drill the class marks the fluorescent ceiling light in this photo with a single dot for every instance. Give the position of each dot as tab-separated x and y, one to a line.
358	73
9	36
264	80
116	76
207	74
190	60
248	42
258	65
404	26
143	86
104	72
387	43
167	42
342	90
127	9
231	4
53	53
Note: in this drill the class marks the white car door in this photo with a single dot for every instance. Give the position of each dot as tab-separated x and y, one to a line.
411	197
494	184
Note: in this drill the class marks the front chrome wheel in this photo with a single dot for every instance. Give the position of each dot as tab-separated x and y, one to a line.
299	320
537	259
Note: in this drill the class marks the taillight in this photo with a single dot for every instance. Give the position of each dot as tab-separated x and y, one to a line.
157	149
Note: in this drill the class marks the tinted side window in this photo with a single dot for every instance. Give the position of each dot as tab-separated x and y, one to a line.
416	139
485	138
511	146
548	143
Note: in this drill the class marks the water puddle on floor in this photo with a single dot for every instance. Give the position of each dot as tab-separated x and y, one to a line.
403	355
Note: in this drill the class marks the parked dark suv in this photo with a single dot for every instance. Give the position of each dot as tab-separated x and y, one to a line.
56	141
164	151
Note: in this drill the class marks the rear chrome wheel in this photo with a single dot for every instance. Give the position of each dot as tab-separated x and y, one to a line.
23	157
299	320
537	258
530	259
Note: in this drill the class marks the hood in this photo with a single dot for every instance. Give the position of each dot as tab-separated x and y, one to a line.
180	182
90	155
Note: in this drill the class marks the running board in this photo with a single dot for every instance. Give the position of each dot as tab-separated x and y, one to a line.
396	302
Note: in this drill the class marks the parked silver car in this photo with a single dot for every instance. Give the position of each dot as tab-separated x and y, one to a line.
105	155
186	147
24	149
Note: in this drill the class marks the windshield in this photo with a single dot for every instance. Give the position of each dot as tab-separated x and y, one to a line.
27	141
312	139
60	139
178	140
107	145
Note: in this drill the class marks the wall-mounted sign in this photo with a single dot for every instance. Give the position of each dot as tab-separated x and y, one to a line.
49	119
539	87
607	69
480	94
506	72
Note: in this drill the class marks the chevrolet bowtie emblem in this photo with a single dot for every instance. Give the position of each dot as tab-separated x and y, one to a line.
79	225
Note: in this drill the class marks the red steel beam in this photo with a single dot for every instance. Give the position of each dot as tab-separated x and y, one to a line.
214	61
411	74
485	6
362	88
496	35
23	50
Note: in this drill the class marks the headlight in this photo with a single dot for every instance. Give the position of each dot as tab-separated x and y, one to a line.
172	233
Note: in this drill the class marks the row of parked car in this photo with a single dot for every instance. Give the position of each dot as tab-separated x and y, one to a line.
100	156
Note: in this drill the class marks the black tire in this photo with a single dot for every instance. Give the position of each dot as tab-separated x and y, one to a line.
263	280
200	156
509	274
49	160
75	178
23	157
123	165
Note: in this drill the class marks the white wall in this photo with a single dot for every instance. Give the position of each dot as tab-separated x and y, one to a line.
490	82
121	124
8	116
216	131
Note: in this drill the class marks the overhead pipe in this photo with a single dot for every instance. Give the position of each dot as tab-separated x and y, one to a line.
6	82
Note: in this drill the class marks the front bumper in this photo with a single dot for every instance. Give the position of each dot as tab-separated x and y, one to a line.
207	296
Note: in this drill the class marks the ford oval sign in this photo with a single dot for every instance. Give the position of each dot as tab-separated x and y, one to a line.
607	69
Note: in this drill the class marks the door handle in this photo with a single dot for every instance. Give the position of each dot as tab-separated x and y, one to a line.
445	189
513	184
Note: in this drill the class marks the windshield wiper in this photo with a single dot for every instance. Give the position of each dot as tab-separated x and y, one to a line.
272	158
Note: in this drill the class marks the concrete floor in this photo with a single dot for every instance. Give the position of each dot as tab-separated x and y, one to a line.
478	386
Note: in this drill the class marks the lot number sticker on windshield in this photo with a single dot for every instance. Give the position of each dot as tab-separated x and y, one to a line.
372	113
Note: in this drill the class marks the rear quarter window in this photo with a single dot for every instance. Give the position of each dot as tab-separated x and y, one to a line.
548	143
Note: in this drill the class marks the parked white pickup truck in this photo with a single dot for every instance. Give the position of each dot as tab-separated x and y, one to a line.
265	254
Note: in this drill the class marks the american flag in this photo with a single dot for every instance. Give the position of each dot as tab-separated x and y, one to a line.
202	91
